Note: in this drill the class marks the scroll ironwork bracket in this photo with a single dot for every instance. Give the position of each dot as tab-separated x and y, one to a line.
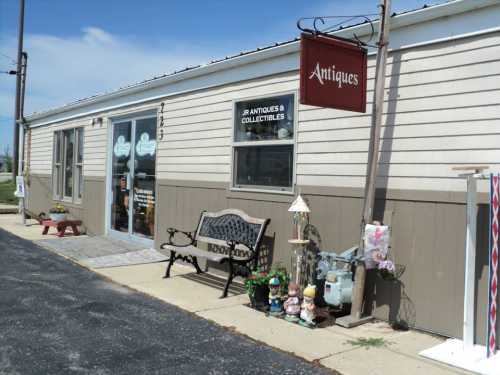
317	23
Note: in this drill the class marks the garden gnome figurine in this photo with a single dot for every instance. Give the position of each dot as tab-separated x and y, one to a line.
292	304
275	305
308	309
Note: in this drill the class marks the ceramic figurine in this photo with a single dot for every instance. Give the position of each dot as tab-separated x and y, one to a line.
292	304
308	309
275	305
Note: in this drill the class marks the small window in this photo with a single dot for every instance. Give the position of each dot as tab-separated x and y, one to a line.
57	170
69	149
67	174
263	148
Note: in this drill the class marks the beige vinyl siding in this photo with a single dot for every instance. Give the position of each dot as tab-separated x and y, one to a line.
94	150
198	129
95	142
442	109
94	147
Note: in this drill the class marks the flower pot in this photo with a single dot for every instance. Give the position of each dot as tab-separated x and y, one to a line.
260	298
57	217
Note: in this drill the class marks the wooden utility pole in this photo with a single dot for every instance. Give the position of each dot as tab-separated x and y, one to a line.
356	318
17	111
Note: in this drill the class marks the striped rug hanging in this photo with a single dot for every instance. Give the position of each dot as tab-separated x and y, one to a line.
493	263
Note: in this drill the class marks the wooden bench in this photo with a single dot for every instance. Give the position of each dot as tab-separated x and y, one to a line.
61	226
238	235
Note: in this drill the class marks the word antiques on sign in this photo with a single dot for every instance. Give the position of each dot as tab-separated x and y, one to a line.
332	73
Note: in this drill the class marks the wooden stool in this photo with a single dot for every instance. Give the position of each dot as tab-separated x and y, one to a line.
61	226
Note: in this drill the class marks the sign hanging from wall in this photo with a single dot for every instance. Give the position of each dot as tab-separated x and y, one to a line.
19	187
332	73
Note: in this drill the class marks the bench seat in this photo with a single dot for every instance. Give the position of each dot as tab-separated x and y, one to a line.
232	237
197	252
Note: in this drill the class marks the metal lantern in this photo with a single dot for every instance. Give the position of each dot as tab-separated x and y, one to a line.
300	216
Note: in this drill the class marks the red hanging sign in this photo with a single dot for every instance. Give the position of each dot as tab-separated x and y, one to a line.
332	73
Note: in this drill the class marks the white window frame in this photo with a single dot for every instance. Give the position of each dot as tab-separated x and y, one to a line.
59	178
57	166
78	166
236	144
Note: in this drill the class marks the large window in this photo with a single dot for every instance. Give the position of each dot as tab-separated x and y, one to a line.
67	172
263	147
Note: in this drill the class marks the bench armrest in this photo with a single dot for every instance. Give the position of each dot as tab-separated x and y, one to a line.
171	234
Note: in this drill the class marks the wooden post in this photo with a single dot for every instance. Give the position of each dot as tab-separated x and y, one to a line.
17	113
355	318
472	173
470	263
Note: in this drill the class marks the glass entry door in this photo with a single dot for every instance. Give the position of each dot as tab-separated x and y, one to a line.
133	177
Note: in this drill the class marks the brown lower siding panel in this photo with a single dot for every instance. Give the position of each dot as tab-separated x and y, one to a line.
90	210
94	203
428	236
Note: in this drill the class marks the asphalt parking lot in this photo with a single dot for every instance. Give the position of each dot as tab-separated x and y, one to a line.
59	318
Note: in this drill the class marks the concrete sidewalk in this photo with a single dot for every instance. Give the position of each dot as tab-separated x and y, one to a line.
334	347
8	209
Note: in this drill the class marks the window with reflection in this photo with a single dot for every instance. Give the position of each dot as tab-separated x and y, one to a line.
263	148
67	168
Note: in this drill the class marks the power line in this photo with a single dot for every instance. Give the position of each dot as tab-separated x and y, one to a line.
13	62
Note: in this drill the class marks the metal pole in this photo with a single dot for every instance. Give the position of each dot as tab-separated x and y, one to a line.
20	121
17	111
21	125
355	317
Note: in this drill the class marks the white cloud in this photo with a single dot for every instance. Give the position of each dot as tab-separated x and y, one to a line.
61	70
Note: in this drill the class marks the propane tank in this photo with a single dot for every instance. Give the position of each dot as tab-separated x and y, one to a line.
335	269
338	287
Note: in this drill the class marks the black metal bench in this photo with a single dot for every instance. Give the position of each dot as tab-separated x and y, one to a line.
238	235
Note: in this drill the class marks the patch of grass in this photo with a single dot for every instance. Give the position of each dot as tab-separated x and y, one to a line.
7	189
367	343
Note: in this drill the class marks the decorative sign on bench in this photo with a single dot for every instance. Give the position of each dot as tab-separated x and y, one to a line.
231	229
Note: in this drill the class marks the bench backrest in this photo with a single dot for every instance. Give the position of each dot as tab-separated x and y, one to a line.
217	228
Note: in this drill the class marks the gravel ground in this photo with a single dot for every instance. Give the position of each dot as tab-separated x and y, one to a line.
58	318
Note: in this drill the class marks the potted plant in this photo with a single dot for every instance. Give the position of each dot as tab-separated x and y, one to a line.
257	289
58	212
257	286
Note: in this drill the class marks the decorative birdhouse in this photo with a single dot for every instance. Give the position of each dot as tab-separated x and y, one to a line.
300	212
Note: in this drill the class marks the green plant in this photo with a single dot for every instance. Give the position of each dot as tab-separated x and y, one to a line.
256	278
261	278
281	273
7	189
372	342
7	159
58	209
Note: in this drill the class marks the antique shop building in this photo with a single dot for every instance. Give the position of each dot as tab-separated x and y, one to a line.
231	134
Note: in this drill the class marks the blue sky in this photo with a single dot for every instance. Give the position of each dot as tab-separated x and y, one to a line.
80	48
